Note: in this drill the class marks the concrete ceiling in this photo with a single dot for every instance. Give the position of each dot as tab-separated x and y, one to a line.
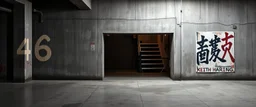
82	4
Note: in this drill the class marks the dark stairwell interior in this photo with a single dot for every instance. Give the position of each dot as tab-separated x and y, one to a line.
137	54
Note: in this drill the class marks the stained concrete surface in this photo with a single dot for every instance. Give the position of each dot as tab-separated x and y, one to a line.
129	92
71	32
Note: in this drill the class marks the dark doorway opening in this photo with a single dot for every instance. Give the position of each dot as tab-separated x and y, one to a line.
6	43
120	54
137	54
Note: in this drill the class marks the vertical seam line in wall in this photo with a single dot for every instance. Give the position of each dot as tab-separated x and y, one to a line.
181	45
181	38
200	16
218	10
173	40
165	8
251	26
175	11
135	9
175	35
247	19
97	62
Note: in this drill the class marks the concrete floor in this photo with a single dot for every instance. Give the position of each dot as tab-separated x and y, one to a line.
129	92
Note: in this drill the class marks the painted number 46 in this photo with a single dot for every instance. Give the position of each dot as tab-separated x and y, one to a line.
26	52
38	47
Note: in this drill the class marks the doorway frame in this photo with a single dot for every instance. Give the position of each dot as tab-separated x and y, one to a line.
171	39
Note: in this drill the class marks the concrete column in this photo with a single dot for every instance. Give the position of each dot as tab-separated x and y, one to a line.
22	30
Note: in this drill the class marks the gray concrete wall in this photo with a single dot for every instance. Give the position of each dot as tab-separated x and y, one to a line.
202	16
28	34
71	32
22	20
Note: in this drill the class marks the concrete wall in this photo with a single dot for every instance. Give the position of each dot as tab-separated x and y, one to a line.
28	34
22	28
202	16
72	31
15	26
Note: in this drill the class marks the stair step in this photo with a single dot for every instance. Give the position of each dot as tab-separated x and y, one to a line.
142	47
150	47
151	59
155	48
149	43
152	68
151	55
149	51
151	63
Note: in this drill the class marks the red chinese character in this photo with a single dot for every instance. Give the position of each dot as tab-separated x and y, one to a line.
227	46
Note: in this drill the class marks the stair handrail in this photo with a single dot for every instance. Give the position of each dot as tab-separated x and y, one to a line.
162	51
139	54
139	48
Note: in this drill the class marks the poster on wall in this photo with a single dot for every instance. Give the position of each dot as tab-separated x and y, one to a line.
215	52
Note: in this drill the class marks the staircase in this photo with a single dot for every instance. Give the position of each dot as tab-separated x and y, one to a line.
150	58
